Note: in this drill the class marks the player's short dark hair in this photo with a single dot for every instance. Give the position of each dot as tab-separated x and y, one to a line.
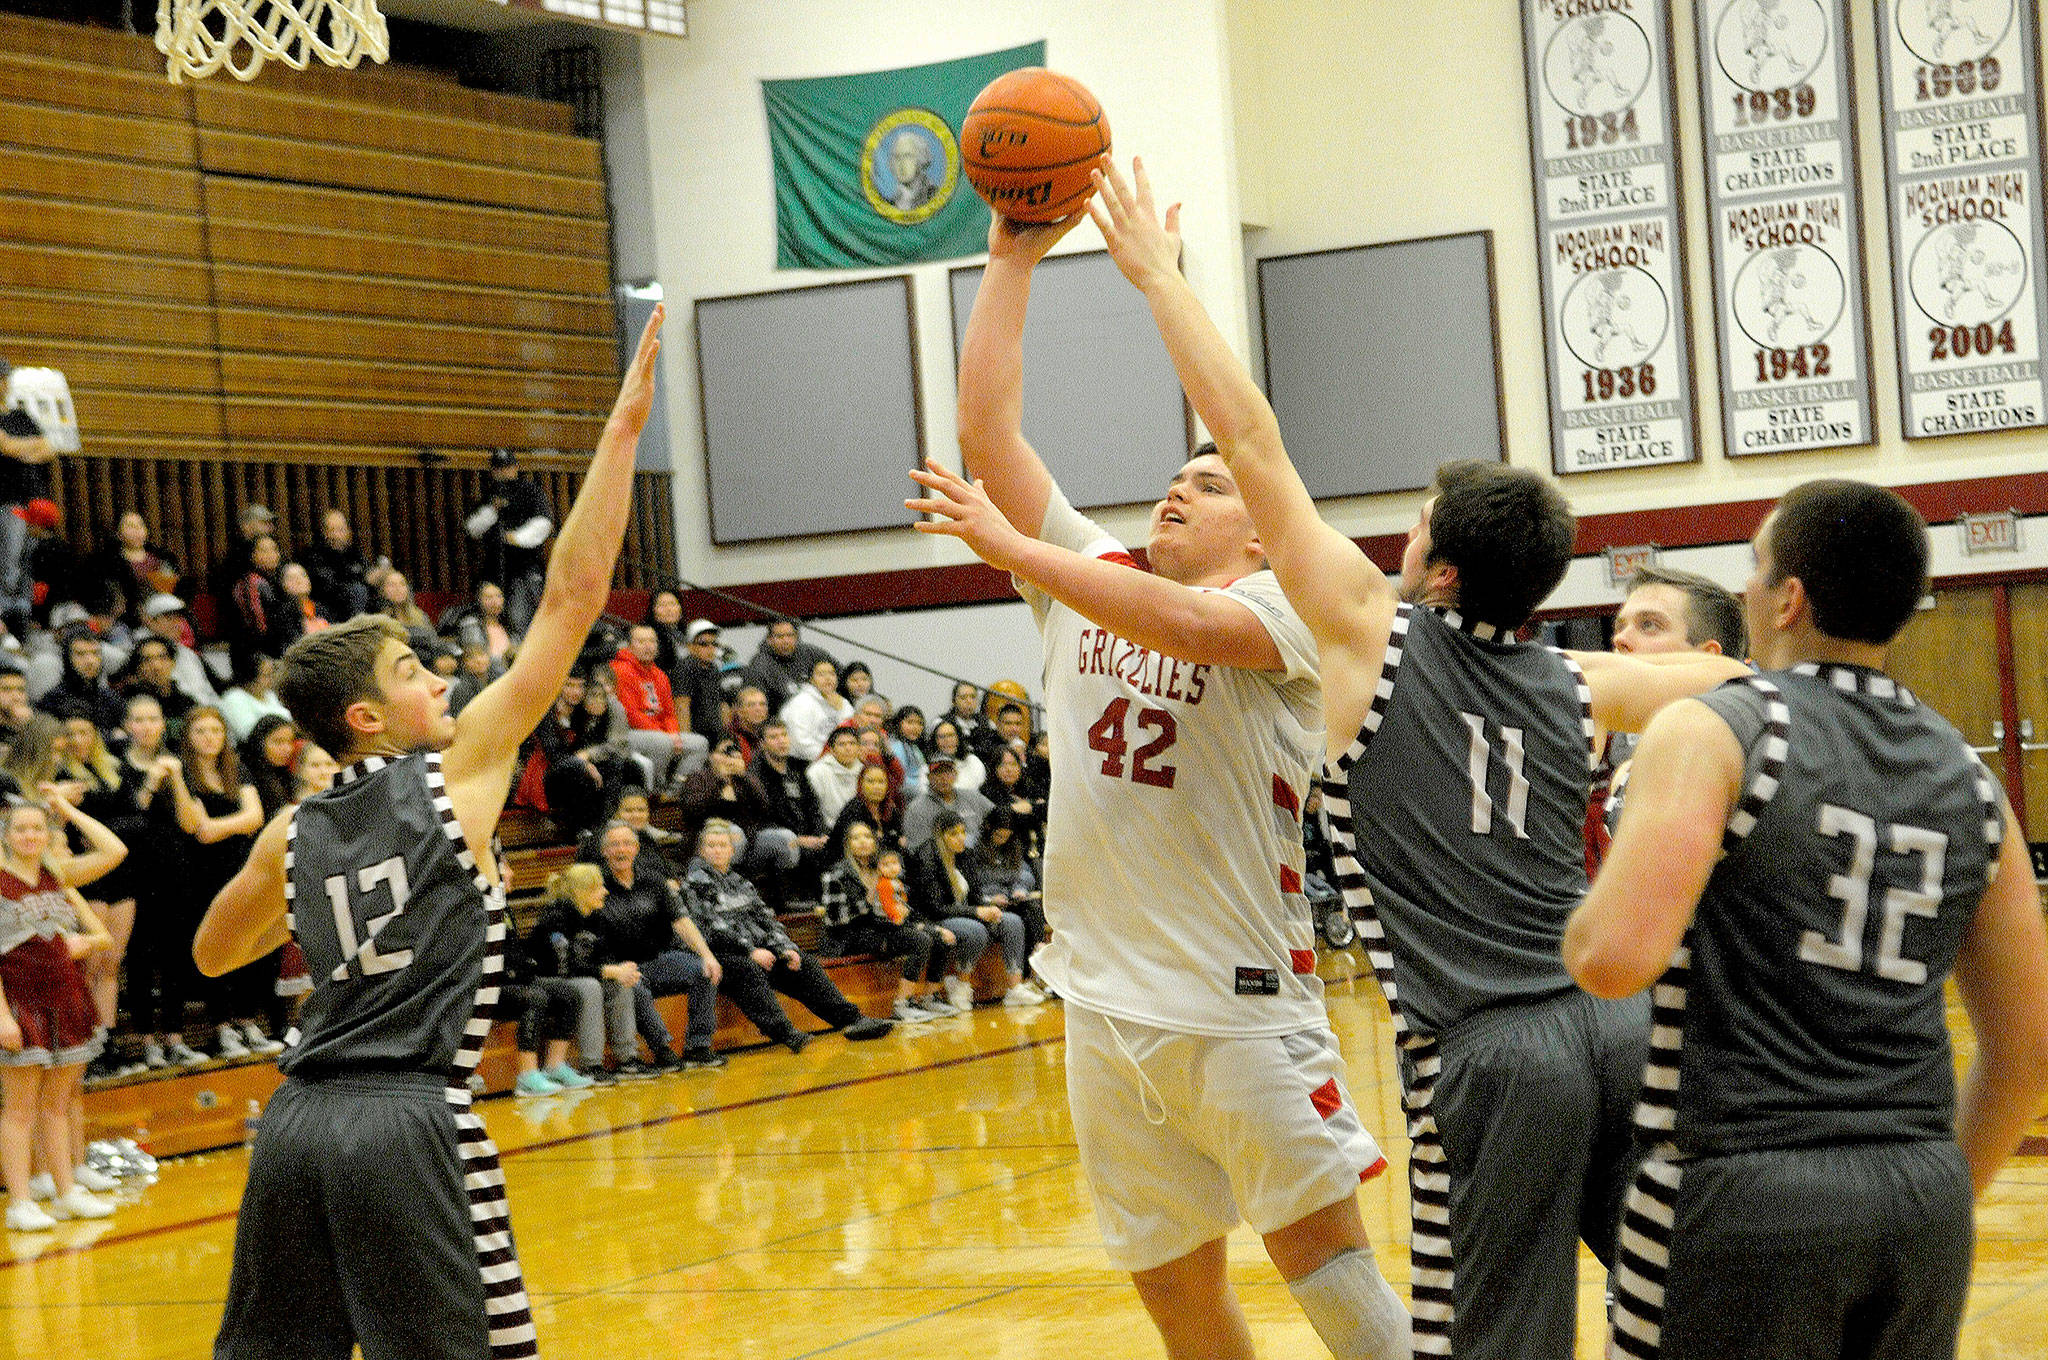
1860	551
775	723
1711	609
843	730
945	821
324	672
1508	532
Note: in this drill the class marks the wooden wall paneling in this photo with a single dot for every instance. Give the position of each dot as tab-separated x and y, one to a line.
289	417
70	84
427	176
353	378
79	43
282	288
351	253
137	367
427	91
89	226
128	277
145	414
378	340
86	179
269	111
57	316
233	199
154	141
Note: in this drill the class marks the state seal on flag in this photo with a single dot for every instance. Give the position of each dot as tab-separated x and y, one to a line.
909	165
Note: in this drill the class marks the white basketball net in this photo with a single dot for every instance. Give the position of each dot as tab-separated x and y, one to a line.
199	37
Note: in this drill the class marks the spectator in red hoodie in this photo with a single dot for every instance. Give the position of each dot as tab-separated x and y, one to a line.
650	704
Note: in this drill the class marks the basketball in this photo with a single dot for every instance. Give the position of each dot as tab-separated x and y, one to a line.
1029	142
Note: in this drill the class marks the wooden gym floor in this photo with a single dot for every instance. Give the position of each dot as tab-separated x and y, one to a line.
913	1197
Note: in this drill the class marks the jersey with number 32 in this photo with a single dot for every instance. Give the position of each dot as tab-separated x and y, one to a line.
1173	856
393	922
1812	1007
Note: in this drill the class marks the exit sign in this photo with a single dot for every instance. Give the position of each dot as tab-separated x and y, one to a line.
1623	563
1991	533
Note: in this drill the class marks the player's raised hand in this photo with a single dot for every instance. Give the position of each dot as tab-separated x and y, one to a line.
1144	247
966	513
636	390
1027	242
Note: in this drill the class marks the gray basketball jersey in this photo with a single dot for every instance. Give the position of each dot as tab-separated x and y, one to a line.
1464	799
1806	1003
402	934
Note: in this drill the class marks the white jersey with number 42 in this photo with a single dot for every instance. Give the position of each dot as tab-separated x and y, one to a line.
1173	856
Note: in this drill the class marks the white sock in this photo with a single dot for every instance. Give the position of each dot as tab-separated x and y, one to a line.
1354	1310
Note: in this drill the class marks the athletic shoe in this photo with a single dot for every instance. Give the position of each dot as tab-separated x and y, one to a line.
868	1027
535	1083
600	1075
229	1044
130	1069
959	993
258	1041
702	1060
796	1041
80	1204
184	1055
667	1060
153	1055
568	1078
42	1186
632	1069
908	1012
24	1216
95	1181
1023	994
934	1005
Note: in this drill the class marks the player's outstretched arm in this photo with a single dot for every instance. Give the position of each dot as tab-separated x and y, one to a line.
2002	973
1628	691
1202	626
991	412
246	920
1686	779
1335	587
488	734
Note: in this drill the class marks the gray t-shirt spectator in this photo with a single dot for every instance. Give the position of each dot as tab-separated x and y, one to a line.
925	808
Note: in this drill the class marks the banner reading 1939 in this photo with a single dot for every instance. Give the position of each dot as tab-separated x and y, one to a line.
1787	223
1607	212
1962	131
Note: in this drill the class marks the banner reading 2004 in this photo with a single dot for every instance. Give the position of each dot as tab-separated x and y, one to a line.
1962	139
1607	207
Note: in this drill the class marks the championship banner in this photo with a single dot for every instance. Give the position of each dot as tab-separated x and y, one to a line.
1608	231
1787	221
867	167
1962	140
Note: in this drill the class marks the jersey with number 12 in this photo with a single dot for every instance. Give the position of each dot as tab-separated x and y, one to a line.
1174	857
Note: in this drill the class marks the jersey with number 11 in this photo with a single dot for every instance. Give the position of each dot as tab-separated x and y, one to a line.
1173	857
394	920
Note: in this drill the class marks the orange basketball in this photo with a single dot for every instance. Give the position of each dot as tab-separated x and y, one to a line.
1030	140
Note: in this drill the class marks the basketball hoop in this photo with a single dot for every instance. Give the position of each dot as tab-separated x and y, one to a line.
199	37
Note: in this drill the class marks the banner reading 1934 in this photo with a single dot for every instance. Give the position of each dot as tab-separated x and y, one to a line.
1787	223
1607	213
1962	136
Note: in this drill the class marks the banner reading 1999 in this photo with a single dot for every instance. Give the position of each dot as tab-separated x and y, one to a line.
1962	136
1787	223
1607	212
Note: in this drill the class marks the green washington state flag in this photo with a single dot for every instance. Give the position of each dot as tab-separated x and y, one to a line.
867	167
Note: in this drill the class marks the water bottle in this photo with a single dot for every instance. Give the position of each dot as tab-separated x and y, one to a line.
252	1119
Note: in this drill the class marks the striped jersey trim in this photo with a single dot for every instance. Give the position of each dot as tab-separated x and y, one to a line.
291	918
1382	697
1994	815
1433	1277
1777	745
364	768
1585	693
1858	680
1485	632
478	1029
1642	1256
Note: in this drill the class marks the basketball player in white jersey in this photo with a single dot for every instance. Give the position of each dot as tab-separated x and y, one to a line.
1185	711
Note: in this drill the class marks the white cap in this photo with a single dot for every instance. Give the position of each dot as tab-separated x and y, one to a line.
161	604
698	626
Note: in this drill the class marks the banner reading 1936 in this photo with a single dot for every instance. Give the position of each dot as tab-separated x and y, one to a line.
1787	223
1607	214
1962	137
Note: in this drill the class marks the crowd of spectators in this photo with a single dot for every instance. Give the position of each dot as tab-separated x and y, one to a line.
798	789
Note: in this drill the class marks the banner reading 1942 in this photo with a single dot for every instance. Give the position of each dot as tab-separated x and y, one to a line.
1607	214
1787	223
1962	136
